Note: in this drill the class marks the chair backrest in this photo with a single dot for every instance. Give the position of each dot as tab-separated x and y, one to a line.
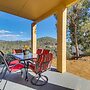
39	51
10	65
17	51
45	51
1	53
44	62
1	58
4	60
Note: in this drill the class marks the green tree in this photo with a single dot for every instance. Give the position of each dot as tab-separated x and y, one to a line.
78	14
85	37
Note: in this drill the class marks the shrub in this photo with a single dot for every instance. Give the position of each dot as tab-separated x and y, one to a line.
68	55
87	52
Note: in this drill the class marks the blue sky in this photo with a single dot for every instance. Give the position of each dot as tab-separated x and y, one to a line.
17	28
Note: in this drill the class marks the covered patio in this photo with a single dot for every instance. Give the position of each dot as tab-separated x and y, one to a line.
38	10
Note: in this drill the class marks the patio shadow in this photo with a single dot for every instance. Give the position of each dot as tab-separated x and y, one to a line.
16	78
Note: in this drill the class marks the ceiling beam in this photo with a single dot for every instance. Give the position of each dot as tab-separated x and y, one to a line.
49	13
69	2
64	3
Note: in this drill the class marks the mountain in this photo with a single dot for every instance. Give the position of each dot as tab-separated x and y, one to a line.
43	42
46	41
47	38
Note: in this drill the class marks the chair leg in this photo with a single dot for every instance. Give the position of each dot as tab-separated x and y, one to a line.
26	70
21	73
26	78
4	73
39	80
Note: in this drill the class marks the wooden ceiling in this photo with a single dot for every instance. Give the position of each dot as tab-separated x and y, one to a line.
30	9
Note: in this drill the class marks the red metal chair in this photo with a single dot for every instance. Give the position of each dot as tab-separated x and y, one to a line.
12	60
12	65
17	51
39	51
45	51
42	64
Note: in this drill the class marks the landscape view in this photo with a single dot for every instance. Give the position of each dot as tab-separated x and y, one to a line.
78	38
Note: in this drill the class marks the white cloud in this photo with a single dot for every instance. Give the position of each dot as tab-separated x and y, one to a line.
4	31
25	39
21	32
9	35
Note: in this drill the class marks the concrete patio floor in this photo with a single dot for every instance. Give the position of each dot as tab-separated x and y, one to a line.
57	81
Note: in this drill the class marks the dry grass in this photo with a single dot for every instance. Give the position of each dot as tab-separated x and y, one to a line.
80	67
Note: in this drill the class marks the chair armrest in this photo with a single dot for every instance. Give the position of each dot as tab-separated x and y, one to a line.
29	59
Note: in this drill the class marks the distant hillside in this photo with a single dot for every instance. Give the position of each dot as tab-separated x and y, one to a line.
43	42
47	38
7	46
46	41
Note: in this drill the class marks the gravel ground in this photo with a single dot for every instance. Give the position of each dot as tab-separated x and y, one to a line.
80	67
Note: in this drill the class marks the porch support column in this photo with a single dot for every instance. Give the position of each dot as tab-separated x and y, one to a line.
61	39
33	38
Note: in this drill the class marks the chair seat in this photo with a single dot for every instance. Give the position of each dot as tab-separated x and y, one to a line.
14	62
15	68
